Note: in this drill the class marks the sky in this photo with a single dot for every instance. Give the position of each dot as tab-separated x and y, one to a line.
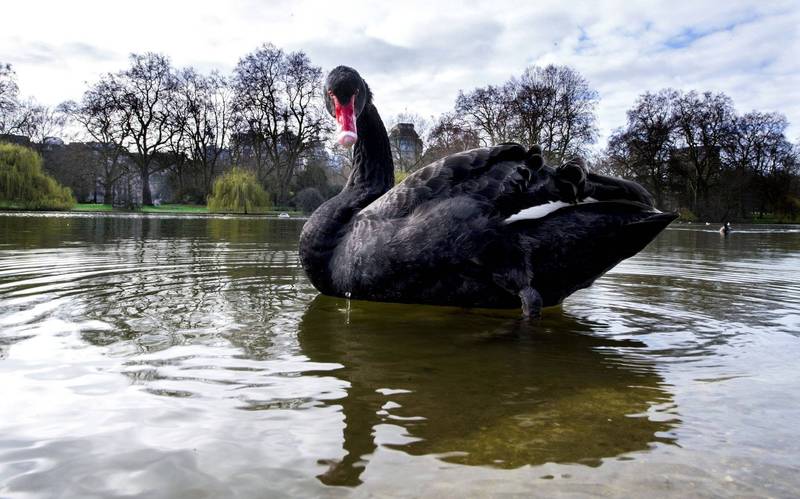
416	56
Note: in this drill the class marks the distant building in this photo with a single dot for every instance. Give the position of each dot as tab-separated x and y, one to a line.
406	146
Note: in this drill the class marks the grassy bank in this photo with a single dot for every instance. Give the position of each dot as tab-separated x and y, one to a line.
774	220
92	207
167	208
164	208
9	205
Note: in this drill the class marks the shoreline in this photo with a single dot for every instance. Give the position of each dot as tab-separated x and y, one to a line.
199	210
171	209
139	214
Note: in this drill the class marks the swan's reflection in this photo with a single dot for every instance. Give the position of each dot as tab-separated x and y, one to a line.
480	389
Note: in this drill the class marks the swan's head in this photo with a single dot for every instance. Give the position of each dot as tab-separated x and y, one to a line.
346	94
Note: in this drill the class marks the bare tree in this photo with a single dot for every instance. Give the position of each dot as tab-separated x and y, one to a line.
203	117
555	107
39	122
642	150
17	116
757	152
147	90
758	142
278	114
487	112
552	106
693	151
449	135
9	91
703	123
105	123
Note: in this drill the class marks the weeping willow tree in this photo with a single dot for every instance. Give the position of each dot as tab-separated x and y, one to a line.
238	191
24	185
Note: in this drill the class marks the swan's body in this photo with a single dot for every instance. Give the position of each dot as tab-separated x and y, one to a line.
489	227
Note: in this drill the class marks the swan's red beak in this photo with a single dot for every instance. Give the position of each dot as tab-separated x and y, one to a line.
345	121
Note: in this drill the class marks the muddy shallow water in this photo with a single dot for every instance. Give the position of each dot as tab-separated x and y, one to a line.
189	356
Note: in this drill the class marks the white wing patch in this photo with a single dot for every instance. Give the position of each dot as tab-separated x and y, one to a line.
542	210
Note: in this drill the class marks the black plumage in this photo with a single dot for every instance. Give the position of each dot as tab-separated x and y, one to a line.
448	234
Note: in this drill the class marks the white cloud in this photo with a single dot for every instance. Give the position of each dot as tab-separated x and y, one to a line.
417	55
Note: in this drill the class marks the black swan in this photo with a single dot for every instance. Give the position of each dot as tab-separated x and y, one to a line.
490	227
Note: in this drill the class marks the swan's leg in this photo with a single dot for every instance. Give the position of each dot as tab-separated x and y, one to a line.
531	303
516	277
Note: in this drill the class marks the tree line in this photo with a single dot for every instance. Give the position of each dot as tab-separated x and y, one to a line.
693	150
152	118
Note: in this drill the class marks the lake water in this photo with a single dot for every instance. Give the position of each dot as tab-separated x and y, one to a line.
158	356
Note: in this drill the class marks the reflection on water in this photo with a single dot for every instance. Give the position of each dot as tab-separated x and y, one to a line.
166	356
482	390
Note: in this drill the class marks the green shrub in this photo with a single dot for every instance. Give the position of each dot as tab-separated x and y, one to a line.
24	185
238	191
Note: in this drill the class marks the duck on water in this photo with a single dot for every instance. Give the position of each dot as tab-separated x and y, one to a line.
490	227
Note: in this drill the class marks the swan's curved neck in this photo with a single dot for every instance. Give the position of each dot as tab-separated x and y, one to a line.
372	176
373	169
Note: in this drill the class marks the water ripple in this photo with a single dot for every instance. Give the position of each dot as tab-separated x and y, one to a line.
189	356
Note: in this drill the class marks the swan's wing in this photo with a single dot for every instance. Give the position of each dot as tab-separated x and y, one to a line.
490	177
444	230
435	222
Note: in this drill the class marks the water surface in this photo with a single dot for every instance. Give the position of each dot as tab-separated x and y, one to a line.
189	356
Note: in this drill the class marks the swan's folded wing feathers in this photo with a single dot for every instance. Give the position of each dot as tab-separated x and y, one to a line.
490	176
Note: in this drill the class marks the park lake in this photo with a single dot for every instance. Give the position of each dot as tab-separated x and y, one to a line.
188	356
